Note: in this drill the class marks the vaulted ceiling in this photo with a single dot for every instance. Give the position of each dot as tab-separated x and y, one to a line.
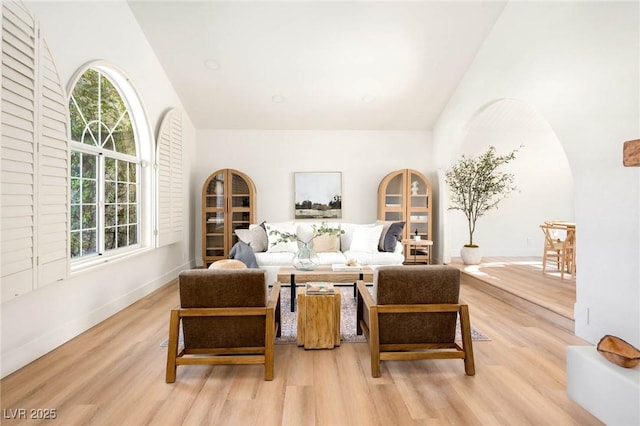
315	65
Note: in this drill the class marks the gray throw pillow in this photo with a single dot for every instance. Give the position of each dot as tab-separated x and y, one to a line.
242	252
393	235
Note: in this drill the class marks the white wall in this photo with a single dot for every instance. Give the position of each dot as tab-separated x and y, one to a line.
577	63
36	323
542	176
271	158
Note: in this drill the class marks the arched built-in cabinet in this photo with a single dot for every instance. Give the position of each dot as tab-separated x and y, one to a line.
405	196
228	203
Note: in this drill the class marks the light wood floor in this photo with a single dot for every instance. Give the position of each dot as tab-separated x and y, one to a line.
114	375
520	282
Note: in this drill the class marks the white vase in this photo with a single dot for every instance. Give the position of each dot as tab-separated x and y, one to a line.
471	255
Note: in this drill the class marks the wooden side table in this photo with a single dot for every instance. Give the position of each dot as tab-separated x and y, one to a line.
416	244
319	320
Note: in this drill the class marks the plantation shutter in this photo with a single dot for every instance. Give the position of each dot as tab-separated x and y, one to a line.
34	155
18	151
169	169
53	180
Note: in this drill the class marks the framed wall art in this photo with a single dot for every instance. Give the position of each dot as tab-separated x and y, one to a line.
318	195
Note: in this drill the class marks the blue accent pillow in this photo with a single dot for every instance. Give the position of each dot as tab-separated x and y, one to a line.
244	253
393	235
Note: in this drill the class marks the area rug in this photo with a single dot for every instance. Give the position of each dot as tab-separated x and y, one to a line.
347	320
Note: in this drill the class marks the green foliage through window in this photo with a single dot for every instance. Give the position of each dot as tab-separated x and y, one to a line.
104	197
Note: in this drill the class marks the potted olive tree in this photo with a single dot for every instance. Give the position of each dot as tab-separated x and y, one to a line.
477	186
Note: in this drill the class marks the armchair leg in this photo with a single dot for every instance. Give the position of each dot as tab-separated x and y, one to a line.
465	329
374	342
172	347
269	341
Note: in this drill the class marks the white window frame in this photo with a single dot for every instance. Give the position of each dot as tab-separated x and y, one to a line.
145	151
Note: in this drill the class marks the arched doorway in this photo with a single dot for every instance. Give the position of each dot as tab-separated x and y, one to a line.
542	175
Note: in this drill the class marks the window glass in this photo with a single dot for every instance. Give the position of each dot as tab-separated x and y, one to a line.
104	168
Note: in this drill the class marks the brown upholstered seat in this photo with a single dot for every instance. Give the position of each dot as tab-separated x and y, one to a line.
226	315
412	315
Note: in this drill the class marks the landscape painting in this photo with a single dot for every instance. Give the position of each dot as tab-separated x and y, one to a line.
318	195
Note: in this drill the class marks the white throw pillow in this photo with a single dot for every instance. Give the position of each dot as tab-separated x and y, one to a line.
366	238
280	247
255	236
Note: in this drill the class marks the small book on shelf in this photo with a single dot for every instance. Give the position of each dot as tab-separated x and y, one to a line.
319	288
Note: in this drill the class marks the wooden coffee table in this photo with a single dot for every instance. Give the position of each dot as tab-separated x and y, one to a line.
322	273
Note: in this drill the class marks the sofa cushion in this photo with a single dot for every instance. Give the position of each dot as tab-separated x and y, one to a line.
391	234
255	237
274	259
326	243
281	247
366	238
331	257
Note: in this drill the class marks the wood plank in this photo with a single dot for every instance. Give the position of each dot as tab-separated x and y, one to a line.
522	277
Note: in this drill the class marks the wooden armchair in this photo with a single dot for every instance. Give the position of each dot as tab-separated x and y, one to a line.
412	315
227	317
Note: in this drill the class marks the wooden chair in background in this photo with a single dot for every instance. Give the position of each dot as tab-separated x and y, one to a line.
227	318
559	247
412	315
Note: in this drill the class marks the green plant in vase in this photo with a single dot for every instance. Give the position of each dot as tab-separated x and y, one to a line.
477	186
306	259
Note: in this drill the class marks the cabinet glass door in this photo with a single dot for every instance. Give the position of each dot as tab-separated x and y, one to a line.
214	212
394	199
418	196
240	206
228	199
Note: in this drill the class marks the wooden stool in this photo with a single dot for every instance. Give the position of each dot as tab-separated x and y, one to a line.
319	320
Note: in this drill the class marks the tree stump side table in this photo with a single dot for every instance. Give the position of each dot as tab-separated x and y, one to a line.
319	320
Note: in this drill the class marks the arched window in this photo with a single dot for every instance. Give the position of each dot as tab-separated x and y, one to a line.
106	176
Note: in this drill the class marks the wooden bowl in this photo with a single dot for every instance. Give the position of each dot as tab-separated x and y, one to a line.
618	351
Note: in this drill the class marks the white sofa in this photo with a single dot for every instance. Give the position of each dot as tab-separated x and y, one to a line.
368	244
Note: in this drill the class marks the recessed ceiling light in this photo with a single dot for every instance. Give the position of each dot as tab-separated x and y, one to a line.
277	99
368	98
212	64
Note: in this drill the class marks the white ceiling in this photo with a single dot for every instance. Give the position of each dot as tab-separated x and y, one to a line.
316	65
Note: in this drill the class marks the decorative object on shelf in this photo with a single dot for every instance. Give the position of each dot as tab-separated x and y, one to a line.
476	186
618	351
318	195
306	259
414	188
416	236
